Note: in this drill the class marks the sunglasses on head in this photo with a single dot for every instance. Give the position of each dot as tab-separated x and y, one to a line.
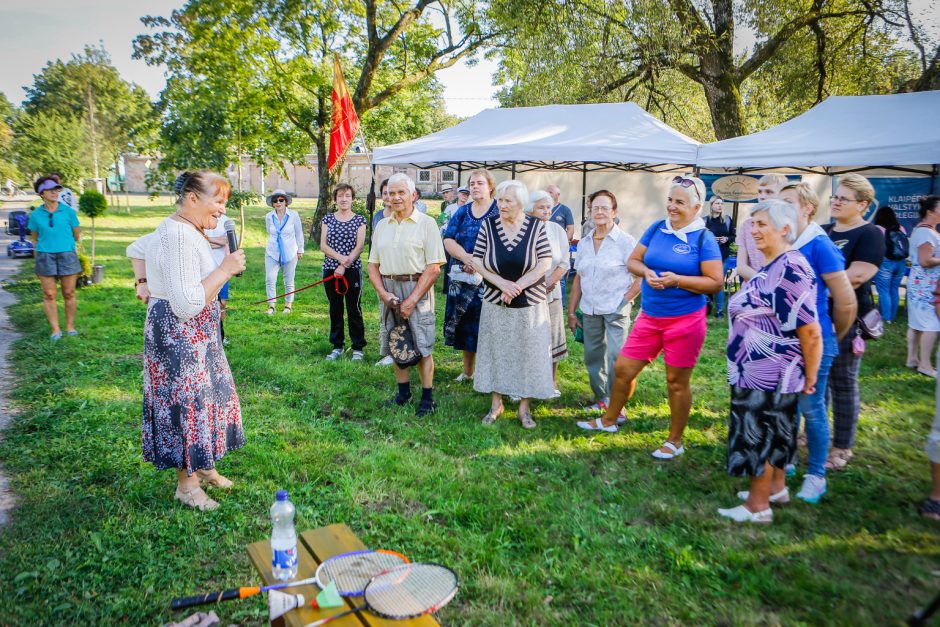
684	182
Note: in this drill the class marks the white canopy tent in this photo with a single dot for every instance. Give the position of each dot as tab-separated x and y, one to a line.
619	136
867	132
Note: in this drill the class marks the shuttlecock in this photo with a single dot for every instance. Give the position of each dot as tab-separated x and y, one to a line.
328	597
279	603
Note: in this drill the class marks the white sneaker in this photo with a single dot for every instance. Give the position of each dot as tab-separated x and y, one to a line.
336	354
743	514
385	361
814	487
357	356
780	498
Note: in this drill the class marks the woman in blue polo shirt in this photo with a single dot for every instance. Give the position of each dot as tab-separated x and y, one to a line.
55	230
829	265
680	262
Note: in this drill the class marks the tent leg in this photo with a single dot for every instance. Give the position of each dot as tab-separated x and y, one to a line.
933	179
583	192
459	175
370	201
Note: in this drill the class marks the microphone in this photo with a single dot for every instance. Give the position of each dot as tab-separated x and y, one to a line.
232	239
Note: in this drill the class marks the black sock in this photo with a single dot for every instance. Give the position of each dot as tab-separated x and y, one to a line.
404	390
426	395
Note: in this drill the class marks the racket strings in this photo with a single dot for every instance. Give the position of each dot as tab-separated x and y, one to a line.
352	573
411	590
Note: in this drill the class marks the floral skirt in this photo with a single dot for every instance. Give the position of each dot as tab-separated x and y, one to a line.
191	415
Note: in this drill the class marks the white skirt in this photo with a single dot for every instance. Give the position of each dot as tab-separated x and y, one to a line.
922	317
514	351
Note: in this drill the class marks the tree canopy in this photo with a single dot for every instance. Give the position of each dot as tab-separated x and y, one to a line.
89	88
687	60
271	61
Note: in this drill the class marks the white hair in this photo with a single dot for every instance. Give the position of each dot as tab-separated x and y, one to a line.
519	189
537	196
781	214
699	186
401	177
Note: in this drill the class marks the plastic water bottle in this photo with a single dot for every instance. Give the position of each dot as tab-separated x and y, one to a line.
283	538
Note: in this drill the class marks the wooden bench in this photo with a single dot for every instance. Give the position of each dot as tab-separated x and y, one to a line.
313	547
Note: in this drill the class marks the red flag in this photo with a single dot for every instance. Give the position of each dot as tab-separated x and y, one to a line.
345	120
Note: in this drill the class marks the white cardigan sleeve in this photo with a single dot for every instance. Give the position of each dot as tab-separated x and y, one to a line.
138	248
298	232
180	268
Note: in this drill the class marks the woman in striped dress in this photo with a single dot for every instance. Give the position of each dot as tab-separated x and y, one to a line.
514	345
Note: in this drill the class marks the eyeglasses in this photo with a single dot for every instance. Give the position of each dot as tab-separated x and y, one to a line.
841	199
604	208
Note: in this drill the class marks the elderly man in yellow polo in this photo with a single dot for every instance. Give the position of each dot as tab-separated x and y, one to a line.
404	262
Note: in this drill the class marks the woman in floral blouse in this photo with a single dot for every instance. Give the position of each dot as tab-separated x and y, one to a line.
774	350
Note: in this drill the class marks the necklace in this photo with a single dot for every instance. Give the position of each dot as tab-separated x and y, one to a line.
201	232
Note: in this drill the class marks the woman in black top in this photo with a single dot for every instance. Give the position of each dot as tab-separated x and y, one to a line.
863	246
512	254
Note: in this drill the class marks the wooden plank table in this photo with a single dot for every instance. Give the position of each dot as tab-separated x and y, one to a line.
313	548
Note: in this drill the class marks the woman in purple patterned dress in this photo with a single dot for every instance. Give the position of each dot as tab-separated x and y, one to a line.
774	351
191	415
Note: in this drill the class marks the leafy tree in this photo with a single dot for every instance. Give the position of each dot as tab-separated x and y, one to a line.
118	115
92	203
674	56
8	169
51	142
278	53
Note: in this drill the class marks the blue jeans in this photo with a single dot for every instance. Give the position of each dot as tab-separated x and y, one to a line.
720	296
888	284
813	409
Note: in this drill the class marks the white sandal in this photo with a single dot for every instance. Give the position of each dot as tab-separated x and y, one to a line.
597	424
676	452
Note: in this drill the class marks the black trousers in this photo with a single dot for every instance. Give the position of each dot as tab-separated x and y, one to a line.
357	330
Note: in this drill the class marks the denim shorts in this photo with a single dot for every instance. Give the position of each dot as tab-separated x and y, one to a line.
57	264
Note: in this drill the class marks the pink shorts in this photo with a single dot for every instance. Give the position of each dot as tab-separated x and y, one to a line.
679	337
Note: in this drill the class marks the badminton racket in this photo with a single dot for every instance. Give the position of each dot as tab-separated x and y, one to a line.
405	591
351	572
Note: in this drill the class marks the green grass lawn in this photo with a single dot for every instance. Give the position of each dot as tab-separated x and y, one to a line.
551	526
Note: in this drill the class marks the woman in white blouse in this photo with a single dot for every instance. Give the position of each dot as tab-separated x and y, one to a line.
285	247
191	414
605	289
540	206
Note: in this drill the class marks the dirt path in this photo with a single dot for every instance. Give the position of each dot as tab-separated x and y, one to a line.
8	335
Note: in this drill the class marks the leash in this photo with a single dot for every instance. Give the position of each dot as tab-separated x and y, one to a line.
341	282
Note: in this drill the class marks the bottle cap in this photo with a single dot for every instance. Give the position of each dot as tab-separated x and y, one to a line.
281	495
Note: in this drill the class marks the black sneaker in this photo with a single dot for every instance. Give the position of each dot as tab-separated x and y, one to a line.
397	401
425	408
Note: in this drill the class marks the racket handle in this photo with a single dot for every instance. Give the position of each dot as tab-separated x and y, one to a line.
202	599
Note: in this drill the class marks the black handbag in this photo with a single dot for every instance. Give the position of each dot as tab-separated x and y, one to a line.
870	325
401	341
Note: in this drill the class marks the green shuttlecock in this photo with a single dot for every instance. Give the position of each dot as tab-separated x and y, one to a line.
328	597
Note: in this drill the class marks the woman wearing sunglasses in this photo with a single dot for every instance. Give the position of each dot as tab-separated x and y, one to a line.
55	230
680	262
285	247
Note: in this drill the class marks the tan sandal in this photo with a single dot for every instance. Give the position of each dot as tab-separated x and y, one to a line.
271	310
491	417
196	498
527	422
214	479
838	459
287	309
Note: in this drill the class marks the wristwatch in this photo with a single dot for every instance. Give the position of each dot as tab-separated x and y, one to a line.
141	281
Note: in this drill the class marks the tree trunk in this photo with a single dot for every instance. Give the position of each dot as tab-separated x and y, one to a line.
324	177
92	243
727	110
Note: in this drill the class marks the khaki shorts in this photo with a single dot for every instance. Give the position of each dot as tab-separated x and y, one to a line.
423	320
